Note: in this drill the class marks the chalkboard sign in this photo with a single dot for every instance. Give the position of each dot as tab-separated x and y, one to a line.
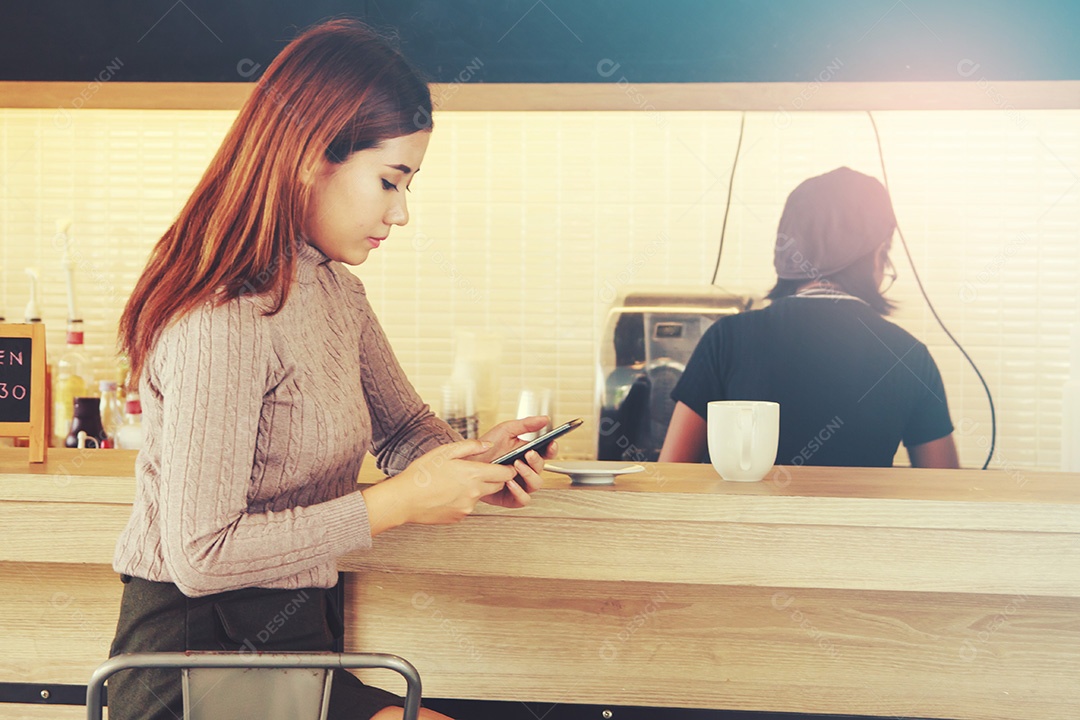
22	385
16	358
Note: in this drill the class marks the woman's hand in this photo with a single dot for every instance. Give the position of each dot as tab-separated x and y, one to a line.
440	487
503	438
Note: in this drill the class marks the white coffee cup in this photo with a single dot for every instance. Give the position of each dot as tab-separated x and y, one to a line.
534	401
743	436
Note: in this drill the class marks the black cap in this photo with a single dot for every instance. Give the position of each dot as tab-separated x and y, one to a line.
831	221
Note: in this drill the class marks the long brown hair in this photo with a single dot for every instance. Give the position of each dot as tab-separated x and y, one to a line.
336	89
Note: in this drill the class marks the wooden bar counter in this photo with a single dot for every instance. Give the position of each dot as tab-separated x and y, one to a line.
888	592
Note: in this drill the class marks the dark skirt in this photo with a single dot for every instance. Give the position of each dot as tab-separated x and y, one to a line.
157	617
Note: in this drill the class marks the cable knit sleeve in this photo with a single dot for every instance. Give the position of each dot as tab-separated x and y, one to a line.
403	427
215	367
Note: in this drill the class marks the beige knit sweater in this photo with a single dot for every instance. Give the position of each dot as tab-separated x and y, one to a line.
256	427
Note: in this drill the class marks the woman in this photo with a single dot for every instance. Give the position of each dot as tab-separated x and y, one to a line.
850	384
265	378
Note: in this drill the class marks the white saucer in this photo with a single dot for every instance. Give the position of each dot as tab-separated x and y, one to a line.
593	472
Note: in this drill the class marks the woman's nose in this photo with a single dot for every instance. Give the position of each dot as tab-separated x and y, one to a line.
398	212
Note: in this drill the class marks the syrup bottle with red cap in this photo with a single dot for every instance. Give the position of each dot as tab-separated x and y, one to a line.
130	436
72	374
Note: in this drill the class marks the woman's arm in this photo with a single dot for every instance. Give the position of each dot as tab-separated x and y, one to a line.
216	366
940	453
444	485
687	436
440	487
929	417
403	427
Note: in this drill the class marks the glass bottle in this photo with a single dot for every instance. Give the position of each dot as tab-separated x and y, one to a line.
472	418
131	434
87	418
453	410
72	372
123	378
112	413
459	408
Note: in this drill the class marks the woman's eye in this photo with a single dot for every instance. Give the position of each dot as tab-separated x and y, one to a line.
387	185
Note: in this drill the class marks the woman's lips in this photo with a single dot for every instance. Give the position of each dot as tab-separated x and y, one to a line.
376	241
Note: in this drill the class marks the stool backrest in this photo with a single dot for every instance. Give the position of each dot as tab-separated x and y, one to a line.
256	693
206	690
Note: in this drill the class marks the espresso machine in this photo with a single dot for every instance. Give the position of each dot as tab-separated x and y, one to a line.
648	339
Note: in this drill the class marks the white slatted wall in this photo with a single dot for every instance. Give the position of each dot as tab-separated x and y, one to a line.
523	223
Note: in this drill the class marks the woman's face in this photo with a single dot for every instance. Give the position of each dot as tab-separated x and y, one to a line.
354	203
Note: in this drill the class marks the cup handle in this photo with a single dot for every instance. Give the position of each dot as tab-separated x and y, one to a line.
747	420
83	438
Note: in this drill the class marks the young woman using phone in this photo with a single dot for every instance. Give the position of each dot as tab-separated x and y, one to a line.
265	378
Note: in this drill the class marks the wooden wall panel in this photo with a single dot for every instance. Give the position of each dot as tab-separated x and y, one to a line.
643	97
753	648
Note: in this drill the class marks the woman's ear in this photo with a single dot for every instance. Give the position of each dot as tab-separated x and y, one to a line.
311	169
307	179
880	257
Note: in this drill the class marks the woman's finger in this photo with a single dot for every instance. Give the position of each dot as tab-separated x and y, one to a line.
514	487
513	428
530	473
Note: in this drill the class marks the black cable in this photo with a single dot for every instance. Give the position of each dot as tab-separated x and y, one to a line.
989	397
730	189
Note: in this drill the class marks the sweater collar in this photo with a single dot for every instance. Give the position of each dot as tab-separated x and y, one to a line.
308	260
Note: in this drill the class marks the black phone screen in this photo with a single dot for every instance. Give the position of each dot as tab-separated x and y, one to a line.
537	444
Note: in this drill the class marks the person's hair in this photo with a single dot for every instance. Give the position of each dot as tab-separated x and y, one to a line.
336	89
856	279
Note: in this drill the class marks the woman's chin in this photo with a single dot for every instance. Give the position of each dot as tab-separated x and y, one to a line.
355	257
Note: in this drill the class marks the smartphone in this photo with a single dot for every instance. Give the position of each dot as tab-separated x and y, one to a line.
539	444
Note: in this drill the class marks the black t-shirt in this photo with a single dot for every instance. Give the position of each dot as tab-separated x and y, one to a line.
850	384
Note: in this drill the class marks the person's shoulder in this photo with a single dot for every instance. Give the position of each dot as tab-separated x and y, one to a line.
898	339
741	320
245	314
736	325
878	321
756	315
218	327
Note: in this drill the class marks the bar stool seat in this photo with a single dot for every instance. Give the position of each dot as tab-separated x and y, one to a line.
255	686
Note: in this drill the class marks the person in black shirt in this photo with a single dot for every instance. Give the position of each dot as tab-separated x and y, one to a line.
851	385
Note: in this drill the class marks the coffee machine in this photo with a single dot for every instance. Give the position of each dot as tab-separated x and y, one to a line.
648	339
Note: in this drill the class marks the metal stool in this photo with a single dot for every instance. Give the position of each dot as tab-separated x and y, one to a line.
259	686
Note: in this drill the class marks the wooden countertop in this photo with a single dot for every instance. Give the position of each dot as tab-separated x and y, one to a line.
894	528
980	486
891	592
